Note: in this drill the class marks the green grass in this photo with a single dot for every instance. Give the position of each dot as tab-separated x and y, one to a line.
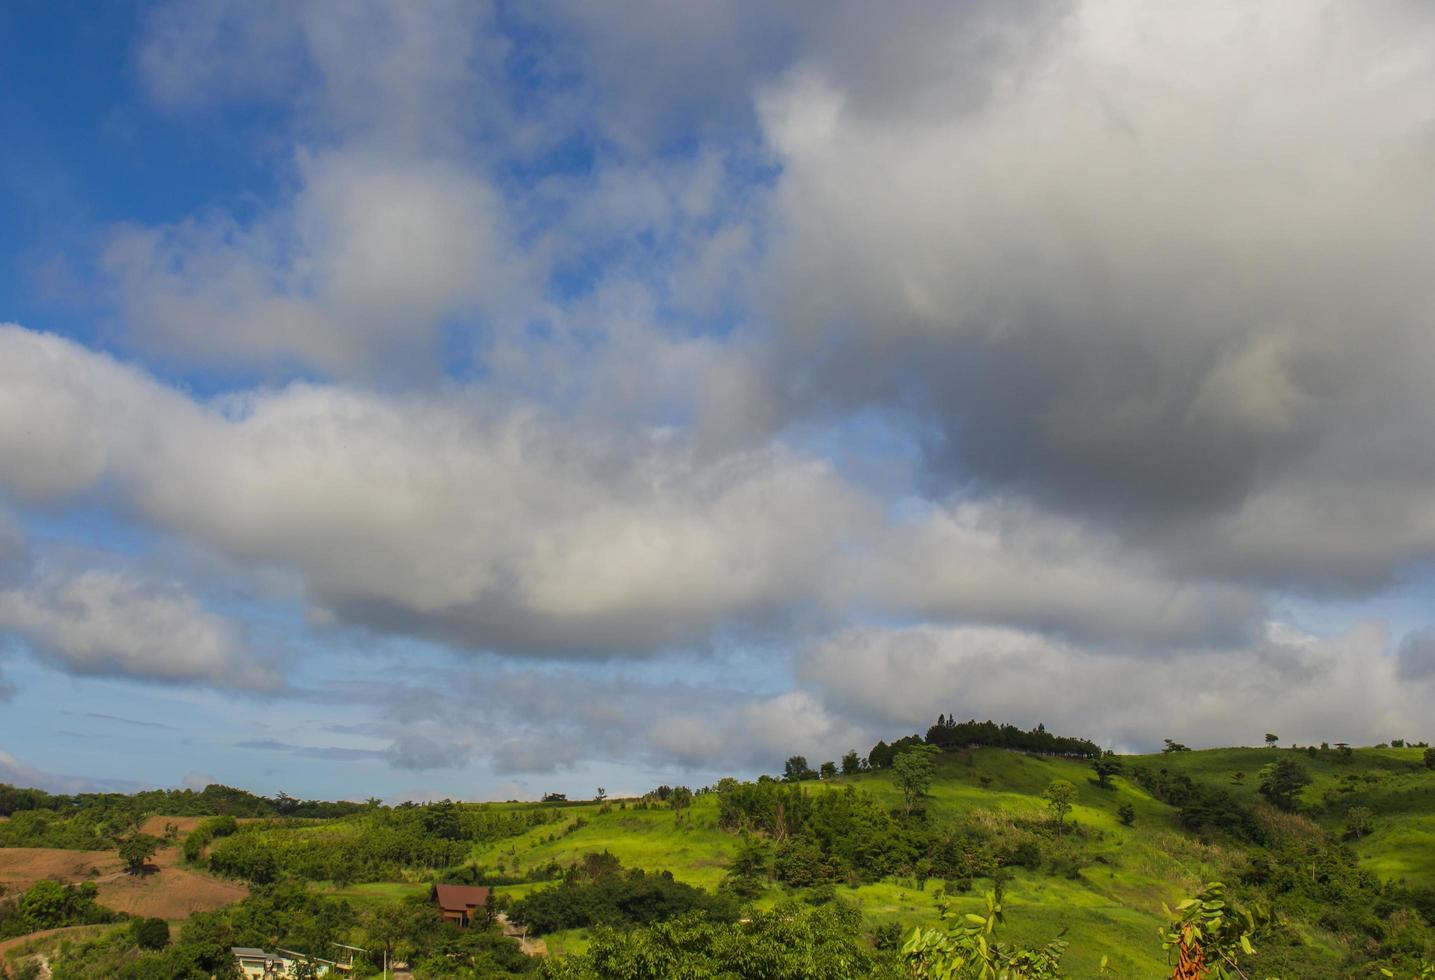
371	893
696	851
1393	783
1112	908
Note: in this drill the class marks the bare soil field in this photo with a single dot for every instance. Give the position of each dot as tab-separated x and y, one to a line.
155	825
167	891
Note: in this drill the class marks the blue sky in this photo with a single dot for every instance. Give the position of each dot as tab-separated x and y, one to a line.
476	400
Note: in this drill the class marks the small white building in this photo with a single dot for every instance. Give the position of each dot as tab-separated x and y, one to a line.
262	964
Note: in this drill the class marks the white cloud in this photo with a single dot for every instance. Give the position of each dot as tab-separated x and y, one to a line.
17	773
438	515
1309	689
354	276
114	622
1006	562
755	732
196	780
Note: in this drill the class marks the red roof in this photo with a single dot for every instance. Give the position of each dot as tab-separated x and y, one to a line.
459	898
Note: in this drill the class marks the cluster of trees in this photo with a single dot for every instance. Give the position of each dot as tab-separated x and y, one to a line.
49	905
599	892
790	941
377	845
205	833
88	829
805	839
948	733
1201	808
98	821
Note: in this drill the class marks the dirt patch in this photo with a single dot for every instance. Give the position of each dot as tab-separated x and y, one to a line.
167	892
21	867
156	825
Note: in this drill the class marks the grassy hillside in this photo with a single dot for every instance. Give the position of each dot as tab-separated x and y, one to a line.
1111	908
1111	905
1103	880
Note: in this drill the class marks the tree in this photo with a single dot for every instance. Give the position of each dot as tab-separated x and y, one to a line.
681	799
851	763
1430	758
828	770
914	769
45	905
1108	765
303	969
150	933
750	867
1359	823
1281	783
796	769
1172	746
1272	738
442	820
137	849
1059	795
1126	813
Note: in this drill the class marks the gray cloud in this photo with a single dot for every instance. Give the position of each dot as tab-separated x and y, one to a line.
414	750
1309	689
124	721
1194	316
515	530
332	753
546	721
1417	654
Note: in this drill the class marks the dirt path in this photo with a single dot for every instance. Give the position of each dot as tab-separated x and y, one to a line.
529	947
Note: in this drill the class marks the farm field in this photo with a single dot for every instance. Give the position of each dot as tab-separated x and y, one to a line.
168	892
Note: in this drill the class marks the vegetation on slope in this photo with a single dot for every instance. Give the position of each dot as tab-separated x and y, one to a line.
858	859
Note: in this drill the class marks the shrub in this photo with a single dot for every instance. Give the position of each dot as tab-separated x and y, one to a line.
150	933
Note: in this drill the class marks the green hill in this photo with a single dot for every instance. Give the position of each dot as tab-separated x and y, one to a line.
1348	867
1107	892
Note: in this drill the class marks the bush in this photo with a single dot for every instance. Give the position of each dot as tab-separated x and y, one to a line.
888	936
49	905
600	892
151	933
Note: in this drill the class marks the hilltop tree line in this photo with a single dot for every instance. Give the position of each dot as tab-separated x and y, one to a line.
947	734
213	800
